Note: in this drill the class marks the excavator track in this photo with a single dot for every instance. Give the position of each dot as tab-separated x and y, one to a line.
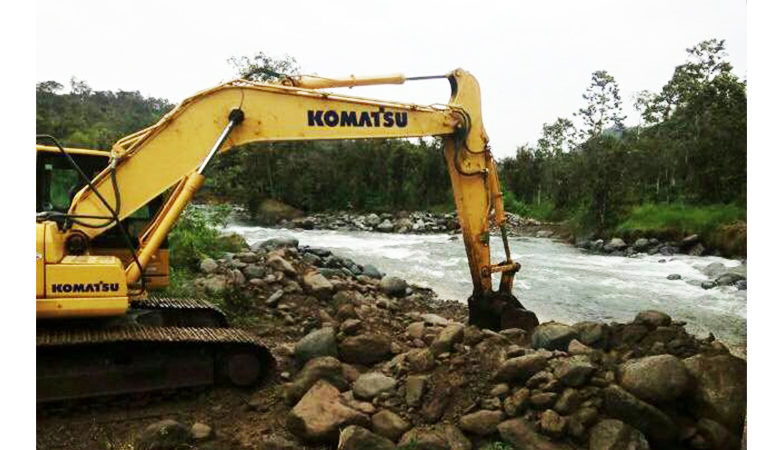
177	312
77	363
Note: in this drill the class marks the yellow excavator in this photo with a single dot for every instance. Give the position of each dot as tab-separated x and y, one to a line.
102	247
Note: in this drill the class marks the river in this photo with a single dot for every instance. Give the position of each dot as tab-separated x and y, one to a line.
557	281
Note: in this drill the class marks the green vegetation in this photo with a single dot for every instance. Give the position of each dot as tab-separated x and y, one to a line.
499	445
195	236
685	219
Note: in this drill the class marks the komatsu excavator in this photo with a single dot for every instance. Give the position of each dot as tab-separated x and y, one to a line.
100	333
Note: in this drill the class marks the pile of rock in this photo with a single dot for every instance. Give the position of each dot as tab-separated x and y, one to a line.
378	364
691	245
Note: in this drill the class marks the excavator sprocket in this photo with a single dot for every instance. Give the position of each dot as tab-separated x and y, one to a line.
498	311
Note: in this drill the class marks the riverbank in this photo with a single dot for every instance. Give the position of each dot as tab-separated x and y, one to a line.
370	361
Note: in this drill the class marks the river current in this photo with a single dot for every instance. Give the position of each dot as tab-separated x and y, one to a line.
557	281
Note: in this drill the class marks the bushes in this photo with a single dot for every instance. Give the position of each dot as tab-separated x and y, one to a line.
681	218
195	236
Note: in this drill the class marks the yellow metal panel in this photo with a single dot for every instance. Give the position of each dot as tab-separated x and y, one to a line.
72	151
86	276
40	257
81	307
54	243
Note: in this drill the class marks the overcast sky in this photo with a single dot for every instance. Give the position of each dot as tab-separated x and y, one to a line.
533	59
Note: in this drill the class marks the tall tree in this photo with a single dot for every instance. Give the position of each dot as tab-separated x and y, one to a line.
603	106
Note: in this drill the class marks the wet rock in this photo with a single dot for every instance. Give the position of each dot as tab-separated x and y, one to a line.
326	368
653	319
552	336
393	286
552	424
523	437
615	244
741	285
728	279
719	391
372	384
365	349
708	285
390	425
655	379
201	431
450	335
574	371
415	387
655	425
517	403
641	244
386	226
164	435
714	269
521	368
321	342
481	423
593	334
674	276
276	262
354	437
320	415
371	271
274	243
208	265
612	434
318	285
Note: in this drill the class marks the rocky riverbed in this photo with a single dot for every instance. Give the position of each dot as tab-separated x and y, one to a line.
367	361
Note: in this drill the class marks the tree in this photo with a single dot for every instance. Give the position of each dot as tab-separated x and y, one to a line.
264	68
604	105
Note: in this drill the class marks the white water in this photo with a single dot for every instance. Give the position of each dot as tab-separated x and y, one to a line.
557	281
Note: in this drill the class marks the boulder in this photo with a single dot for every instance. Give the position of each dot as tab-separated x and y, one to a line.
420	360
354	437
719	390
674	276
276	262
574	370
523	437
653	319
164	435
439	437
279	242
651	421
552	424
323	368
371	271
612	434
641	244
393	286
434	319
271	212
714	269
615	244
390	425
254	271
729	279
552	336
437	401
568	401
201	432
365	349
317	285
481	423
232	242
372	220
274	298
372	384
521	368
320	415
655	379
414	389
386	226
321	342
450	335
208	265
517	402
593	334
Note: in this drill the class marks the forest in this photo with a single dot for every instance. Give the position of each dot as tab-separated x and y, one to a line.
682	167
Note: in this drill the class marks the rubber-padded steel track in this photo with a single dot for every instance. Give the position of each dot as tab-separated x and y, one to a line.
179	312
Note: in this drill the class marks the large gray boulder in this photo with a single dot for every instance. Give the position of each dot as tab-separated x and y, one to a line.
321	342
521	367
323	368
450	335
651	421
655	379
553	336
372	384
394	286
719	389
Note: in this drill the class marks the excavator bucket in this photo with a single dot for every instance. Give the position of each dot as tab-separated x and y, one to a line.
498	311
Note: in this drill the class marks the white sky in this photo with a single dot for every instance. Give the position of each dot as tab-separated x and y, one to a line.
533	59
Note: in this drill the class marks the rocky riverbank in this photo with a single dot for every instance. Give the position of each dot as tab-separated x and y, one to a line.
368	361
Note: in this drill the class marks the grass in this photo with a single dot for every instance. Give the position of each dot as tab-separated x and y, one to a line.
544	211
681	219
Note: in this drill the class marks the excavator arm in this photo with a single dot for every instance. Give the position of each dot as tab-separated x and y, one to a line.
173	154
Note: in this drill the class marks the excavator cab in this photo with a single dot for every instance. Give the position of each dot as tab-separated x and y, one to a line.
57	184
